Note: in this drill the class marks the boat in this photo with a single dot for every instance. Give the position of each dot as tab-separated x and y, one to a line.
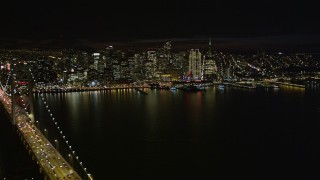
221	86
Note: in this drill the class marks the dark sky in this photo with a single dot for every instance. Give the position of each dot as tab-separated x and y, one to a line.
157	19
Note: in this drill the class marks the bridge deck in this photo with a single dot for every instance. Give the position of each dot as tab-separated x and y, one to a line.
50	160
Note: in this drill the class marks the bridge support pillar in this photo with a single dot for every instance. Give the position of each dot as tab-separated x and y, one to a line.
30	94
21	95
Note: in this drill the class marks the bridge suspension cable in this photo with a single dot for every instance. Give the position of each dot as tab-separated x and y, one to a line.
16	107
73	153
4	88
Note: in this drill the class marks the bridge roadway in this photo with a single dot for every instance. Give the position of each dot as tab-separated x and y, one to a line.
51	161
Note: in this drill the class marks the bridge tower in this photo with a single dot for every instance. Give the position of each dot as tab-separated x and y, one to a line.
21	90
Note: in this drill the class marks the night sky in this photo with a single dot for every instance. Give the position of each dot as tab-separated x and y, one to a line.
157	19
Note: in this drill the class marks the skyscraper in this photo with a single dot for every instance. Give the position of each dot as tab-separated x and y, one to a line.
195	64
209	65
109	55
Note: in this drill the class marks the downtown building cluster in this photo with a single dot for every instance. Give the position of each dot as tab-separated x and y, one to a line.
116	66
164	64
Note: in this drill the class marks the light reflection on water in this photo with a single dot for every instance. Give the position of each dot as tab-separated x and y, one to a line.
186	134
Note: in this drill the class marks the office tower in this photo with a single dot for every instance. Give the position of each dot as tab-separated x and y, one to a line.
109	55
209	65
195	64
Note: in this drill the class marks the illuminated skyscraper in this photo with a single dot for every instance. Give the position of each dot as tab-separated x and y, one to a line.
138	62
209	65
195	64
96	58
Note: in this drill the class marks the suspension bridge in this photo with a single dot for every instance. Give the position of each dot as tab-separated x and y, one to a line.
16	101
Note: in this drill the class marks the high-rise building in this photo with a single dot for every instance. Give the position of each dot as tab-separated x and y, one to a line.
161	60
124	69
138	66
209	65
109	56
131	68
116	71
152	61
195	64
209	68
167	56
117	58
148	69
228	73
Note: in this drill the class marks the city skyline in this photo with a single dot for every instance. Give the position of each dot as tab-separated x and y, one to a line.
206	89
274	92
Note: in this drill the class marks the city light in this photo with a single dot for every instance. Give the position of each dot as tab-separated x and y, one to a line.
191	78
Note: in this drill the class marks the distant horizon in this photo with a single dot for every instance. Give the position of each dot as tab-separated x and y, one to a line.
275	43
142	19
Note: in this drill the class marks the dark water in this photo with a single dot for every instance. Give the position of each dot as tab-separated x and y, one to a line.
235	133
